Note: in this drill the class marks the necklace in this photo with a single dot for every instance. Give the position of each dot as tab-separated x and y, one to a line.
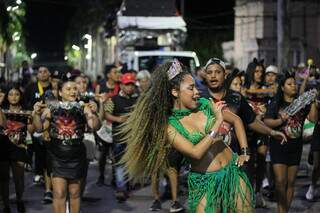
180	113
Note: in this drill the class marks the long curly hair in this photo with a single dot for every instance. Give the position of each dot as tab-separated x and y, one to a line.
279	97
145	131
251	70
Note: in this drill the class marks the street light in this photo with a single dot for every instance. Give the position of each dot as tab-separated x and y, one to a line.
87	36
34	55
16	38
18	1
66	58
9	8
15	8
75	47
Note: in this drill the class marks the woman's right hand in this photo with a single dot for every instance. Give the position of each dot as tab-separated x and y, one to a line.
284	116
103	97
279	136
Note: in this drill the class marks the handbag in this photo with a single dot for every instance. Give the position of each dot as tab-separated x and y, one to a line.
90	144
105	132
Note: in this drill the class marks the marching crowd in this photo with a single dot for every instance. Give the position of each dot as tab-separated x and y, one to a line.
233	131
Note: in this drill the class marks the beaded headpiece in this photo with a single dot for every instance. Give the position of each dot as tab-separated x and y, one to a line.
174	69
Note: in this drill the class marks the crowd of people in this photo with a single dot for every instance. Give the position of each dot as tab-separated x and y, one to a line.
233	131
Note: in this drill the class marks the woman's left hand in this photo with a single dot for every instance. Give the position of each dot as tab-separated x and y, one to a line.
242	159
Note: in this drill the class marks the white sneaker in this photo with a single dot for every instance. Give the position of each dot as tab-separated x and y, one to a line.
310	193
265	183
67	207
38	179
260	202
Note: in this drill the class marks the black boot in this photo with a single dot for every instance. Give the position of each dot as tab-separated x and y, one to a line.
6	209
20	207
100	181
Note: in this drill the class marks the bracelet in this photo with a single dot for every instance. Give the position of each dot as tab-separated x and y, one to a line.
212	134
245	151
273	132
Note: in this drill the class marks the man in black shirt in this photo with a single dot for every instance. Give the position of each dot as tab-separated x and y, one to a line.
116	110
110	84
34	93
108	87
215	79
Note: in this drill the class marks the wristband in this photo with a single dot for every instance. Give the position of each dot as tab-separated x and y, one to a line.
245	151
212	133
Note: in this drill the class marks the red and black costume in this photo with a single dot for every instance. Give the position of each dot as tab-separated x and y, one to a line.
66	149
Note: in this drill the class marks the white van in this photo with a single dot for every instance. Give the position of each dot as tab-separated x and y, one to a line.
148	60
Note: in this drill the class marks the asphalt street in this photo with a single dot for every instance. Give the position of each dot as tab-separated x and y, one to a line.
102	200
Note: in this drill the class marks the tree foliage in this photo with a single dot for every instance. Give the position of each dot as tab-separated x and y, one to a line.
12	38
90	15
207	44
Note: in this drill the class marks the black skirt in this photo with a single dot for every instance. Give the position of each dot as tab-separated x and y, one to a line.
288	153
67	161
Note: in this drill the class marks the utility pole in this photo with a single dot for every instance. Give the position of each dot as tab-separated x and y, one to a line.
283	34
182	8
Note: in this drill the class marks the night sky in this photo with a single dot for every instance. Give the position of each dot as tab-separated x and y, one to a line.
47	22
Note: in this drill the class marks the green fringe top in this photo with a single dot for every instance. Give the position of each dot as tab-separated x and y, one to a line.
194	137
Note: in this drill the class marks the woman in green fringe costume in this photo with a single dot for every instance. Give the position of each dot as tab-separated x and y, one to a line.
171	114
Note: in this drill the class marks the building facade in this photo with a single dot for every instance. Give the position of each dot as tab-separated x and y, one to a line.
255	31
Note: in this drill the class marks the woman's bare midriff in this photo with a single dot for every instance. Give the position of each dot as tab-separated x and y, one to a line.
217	157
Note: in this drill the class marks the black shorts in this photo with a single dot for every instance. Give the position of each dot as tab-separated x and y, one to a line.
315	142
289	153
175	159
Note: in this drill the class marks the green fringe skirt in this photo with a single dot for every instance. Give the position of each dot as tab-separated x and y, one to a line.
221	189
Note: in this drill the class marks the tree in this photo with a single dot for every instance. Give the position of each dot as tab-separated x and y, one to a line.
208	44
12	39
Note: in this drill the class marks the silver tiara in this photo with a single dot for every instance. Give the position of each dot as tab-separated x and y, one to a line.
174	69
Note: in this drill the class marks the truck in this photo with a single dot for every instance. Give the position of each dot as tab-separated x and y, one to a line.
149	33
148	60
